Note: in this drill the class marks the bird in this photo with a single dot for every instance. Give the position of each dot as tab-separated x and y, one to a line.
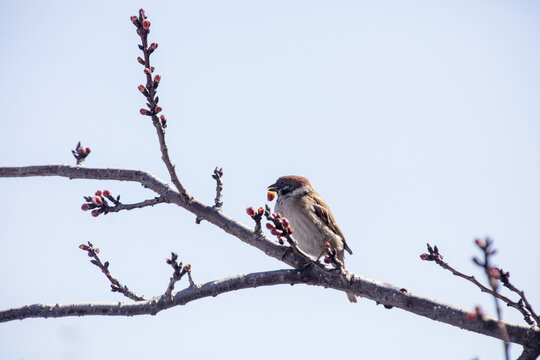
311	219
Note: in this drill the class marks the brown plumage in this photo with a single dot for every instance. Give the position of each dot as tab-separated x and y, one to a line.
310	217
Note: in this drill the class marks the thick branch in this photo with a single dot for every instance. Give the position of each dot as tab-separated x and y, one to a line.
379	292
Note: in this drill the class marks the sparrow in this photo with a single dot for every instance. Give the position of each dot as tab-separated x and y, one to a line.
310	218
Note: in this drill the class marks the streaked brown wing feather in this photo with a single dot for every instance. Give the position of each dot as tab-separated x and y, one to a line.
322	212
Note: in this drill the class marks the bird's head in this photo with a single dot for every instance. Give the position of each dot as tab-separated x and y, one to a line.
291	185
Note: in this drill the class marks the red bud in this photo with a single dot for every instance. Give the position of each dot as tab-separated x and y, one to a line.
147	70
158	109
494	273
327	260
146	24
142	12
153	46
142	89
140	60
95	213
135	20
270	226
97	200
250	211
143	112
327	245
187	267
290	230
261	210
87	150
85	207
480	243
271	196
276	232
424	256
157	78
285	222
106	193
99	193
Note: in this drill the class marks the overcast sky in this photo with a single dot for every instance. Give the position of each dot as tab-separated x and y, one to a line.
417	121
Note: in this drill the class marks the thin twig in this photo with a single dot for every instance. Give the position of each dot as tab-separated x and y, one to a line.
178	273
506	282
487	251
150	202
434	255
115	284
218	174
154	109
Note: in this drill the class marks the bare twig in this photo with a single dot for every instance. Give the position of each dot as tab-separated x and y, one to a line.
218	174
523	300
434	255
490	272
178	273
115	284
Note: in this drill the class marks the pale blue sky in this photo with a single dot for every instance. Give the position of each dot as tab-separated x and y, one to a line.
417	121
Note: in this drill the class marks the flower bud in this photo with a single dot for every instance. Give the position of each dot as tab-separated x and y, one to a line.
270	226
157	78
142	12
327	260
82	151
107	193
85	207
286	223
143	112
141	60
153	46
494	273
146	24
276	232
152	68
97	200
135	21
327	245
84	247
424	256
95	213
250	211
290	230
142	89
187	267
147	71
158	109
99	193
260	211
480	243
87	150
271	196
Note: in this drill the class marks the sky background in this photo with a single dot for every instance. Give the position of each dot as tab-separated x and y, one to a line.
417	121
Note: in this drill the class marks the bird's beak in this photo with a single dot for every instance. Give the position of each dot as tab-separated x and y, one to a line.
272	188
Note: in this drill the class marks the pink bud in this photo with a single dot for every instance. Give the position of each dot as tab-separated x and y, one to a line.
99	193
327	260
152	68
153	46
142	12
327	245
276	232
143	112
250	211
106	193
140	60
270	226
424	256
97	200
85	207
147	71
146	24
157	78
134	20
494	273
87	150
142	89
285	222
158	109
480	243
95	213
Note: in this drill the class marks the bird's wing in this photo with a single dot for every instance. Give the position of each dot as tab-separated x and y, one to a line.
322	211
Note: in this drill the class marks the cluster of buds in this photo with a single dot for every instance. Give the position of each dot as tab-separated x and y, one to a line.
279	226
141	23
80	153
477	314
149	90
255	214
90	249
98	203
433	254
